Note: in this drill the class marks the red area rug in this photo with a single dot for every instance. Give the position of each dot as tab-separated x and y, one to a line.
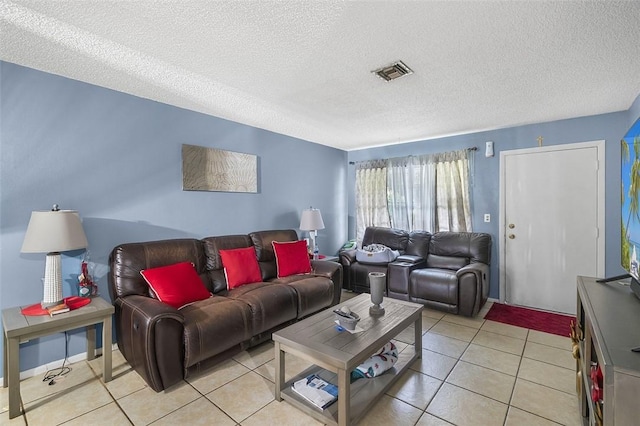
547	322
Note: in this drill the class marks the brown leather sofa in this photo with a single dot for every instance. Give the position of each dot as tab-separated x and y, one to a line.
448	271
165	345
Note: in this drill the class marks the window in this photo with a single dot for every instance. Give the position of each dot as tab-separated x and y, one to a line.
426	192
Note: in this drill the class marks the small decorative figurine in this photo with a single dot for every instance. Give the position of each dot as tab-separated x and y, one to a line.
87	286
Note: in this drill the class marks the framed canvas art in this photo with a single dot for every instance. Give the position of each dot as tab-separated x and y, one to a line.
210	169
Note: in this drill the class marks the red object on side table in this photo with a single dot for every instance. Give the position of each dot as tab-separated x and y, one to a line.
73	302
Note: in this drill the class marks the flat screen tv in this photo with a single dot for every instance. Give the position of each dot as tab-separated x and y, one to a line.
630	198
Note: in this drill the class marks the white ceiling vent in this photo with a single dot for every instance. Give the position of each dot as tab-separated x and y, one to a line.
393	71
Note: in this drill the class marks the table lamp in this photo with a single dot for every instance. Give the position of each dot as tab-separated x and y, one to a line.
311	221
52	232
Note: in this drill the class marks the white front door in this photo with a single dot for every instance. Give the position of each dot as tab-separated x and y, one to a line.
552	223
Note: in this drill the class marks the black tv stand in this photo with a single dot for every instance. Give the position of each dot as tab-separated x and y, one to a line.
616	278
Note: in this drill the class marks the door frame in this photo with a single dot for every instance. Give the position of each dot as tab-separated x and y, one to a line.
600	146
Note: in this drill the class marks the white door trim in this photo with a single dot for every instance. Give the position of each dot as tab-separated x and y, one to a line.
601	202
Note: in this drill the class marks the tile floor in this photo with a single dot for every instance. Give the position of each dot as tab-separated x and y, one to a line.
472	372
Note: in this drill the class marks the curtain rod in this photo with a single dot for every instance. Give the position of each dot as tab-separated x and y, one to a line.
473	148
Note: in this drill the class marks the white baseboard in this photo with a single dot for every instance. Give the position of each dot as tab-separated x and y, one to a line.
42	369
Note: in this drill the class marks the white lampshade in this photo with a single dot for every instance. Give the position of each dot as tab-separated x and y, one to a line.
52	232
311	220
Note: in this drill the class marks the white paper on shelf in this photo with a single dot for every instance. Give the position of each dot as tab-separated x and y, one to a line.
310	388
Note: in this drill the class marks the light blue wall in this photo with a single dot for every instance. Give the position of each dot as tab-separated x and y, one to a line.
116	159
485	192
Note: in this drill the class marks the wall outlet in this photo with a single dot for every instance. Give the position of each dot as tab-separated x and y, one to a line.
487	217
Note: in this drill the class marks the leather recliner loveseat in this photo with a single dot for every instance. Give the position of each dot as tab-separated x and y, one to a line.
451	274
165	345
412	246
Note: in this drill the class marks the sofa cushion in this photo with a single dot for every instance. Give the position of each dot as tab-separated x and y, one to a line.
438	285
291	258
313	292
418	244
262	241
240	267
127	260
395	239
212	247
475	246
271	304
446	262
214	325
359	275
177	285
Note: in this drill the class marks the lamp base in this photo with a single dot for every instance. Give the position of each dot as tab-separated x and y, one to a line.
46	305
52	280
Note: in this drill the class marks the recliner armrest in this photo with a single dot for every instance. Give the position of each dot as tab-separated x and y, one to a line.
409	258
473	287
347	257
477	268
331	270
149	336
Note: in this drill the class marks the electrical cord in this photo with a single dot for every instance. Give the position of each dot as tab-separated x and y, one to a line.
51	375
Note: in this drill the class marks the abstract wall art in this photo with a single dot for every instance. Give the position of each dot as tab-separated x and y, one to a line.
209	169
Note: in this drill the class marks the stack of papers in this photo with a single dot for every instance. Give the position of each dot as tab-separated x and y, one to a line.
316	390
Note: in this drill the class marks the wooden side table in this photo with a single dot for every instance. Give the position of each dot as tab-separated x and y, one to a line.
20	329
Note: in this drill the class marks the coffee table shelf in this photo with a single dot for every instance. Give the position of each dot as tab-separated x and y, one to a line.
335	354
364	392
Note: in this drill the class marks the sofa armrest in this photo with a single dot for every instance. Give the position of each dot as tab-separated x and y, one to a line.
347	257
398	274
149	335
409	258
481	270
473	287
333	271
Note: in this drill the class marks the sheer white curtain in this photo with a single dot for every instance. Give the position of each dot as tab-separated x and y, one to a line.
427	192
424	172
371	196
430	192
453	209
400	193
412	192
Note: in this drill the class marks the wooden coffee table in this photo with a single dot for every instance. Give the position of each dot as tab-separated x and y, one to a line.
337	353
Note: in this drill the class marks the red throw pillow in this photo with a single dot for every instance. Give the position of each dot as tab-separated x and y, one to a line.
177	285
240	267
291	258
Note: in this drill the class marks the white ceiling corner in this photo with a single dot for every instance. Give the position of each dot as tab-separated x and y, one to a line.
303	68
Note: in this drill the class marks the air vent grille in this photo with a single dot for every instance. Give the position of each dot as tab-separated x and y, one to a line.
393	71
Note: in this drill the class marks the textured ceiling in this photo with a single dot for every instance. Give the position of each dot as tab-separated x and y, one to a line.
302	68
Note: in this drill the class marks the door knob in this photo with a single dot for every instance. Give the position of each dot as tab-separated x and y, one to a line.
511	226
511	236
